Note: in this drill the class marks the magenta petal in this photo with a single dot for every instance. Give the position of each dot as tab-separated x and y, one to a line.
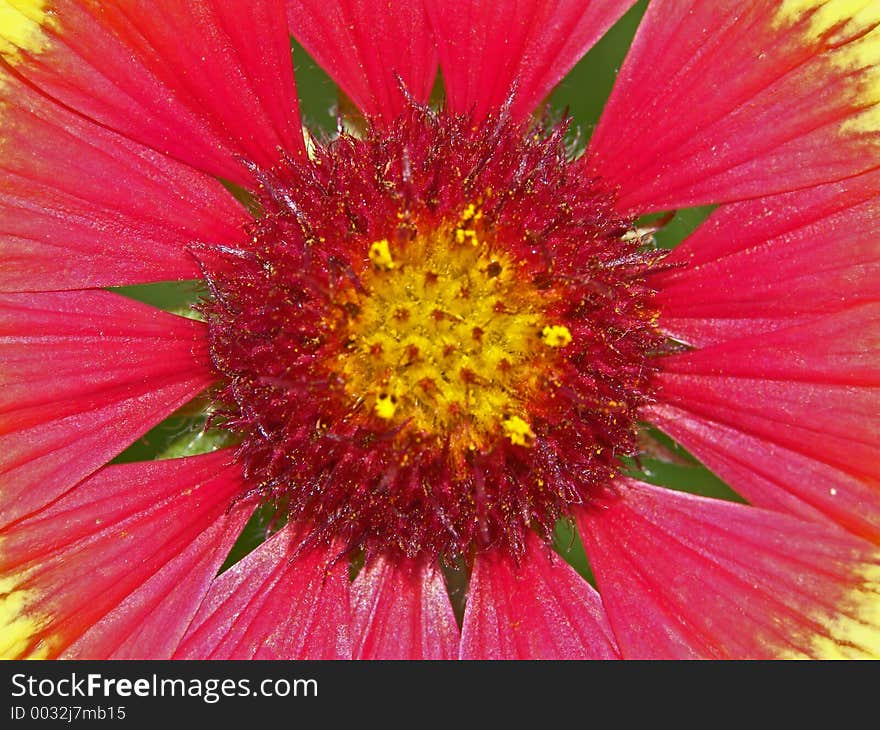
84	374
772	262
725	100
207	82
540	609
525	48
119	565
282	601
789	418
829	421
838	348
688	577
772	476
400	610
150	623
370	49
81	206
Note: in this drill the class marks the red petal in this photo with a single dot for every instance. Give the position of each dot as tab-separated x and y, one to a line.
837	348
723	101
541	609
81	206
204	81
279	602
369	48
788	418
830	422
120	564
488	53
400	610
688	577
772	476
84	374
150	623
767	263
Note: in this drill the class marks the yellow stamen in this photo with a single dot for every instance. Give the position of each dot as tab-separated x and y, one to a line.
385	407
471	213
465	231
556	335
380	255
518	431
466	235
441	340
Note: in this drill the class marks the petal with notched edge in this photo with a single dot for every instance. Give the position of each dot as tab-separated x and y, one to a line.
723	101
683	576
118	566
205	81
490	54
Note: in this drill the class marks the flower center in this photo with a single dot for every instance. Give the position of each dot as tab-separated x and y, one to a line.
447	341
437	337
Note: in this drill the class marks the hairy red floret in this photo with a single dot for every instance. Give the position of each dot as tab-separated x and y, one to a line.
288	307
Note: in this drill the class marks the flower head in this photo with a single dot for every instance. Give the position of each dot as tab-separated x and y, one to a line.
430	322
428	342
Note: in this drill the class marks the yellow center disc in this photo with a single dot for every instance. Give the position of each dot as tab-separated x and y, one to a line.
448	338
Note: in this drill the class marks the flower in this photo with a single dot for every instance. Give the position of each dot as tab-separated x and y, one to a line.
428	341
